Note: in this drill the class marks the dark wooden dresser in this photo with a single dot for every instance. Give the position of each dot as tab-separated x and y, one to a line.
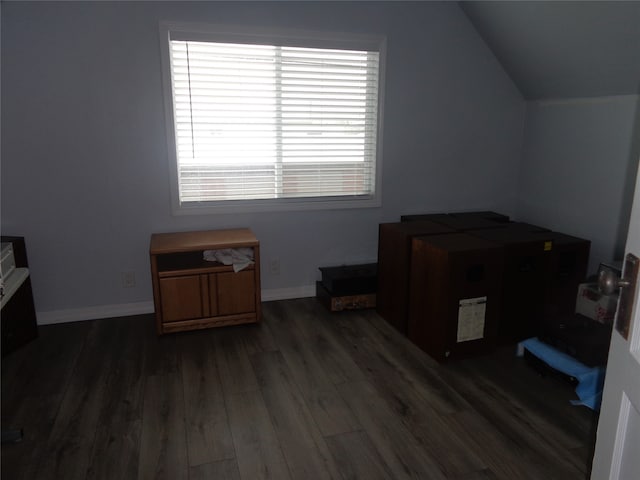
18	316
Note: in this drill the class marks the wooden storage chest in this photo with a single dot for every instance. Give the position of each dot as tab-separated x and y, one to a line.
394	267
456	289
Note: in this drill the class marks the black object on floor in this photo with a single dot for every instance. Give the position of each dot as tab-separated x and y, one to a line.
11	436
544	370
350	279
581	337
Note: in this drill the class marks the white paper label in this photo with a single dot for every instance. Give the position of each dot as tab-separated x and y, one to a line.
471	312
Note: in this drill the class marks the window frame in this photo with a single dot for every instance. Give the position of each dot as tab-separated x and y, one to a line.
264	36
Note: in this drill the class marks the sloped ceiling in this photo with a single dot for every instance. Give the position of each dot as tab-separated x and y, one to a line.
563	49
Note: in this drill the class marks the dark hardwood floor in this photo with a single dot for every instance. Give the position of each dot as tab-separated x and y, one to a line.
305	395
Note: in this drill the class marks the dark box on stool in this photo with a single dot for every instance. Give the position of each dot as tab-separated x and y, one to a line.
348	287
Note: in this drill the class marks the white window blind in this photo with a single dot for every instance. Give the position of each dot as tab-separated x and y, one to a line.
266	122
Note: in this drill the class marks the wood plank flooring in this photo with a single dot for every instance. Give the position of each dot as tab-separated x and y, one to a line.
305	395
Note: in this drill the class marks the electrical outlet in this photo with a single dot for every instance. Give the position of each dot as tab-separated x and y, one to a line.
128	279
274	267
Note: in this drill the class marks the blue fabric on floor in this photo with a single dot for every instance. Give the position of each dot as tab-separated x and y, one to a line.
590	379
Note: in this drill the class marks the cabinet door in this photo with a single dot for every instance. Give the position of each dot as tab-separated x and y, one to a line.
236	292
181	298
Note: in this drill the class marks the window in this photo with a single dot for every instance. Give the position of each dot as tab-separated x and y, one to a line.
261	121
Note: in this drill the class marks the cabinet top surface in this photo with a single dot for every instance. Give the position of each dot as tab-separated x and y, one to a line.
456	242
417	227
202	240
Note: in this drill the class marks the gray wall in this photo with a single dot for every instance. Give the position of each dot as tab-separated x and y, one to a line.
579	167
84	161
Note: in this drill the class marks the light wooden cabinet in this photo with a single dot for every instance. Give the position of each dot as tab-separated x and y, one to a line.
192	293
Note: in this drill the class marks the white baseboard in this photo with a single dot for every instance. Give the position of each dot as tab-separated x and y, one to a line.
94	313
288	293
140	308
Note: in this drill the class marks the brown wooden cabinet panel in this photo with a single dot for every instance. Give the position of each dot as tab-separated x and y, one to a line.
212	286
236	292
181	298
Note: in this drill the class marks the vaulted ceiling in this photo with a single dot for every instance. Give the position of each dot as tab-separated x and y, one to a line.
563	49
